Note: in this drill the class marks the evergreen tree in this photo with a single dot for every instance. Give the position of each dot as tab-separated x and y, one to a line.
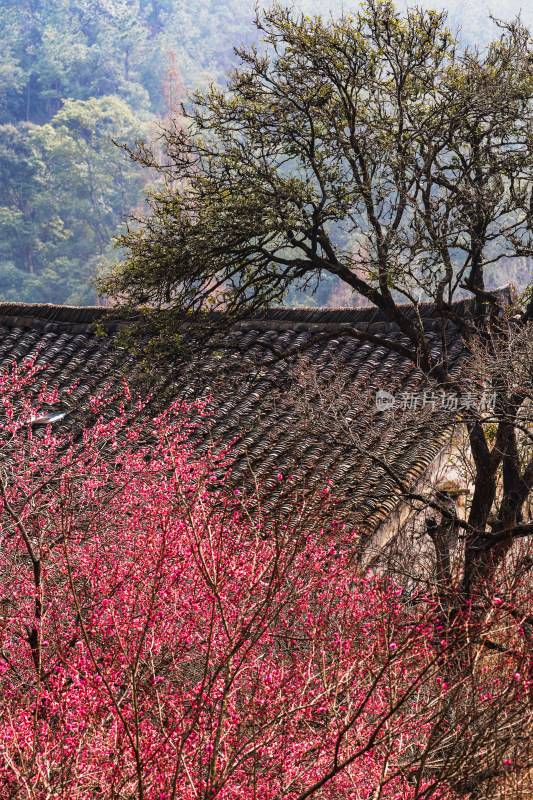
64	189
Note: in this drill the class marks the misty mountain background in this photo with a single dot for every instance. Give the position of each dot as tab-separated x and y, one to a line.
76	74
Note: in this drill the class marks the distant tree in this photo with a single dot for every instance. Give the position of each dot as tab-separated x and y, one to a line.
19	186
52	51
11	73
64	189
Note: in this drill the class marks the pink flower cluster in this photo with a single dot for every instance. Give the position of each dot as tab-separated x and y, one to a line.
159	640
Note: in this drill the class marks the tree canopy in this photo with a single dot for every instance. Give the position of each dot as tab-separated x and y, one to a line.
371	148
127	62
64	188
146	54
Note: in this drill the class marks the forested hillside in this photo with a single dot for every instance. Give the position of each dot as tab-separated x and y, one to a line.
76	75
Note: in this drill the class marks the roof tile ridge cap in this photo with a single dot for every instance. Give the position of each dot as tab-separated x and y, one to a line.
303	317
45	313
325	324
328	313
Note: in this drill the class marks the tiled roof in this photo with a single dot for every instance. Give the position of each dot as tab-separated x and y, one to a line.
257	400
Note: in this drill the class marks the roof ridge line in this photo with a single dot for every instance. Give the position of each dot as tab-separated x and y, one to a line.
36	314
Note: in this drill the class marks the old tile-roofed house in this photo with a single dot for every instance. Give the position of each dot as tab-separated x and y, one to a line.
284	415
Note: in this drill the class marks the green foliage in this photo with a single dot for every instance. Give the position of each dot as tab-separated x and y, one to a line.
145	53
370	149
57	49
73	76
64	187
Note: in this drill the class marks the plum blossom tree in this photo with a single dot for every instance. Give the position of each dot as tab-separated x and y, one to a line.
372	150
160	637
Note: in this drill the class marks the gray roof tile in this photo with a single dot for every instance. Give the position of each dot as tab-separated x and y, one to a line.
253	394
